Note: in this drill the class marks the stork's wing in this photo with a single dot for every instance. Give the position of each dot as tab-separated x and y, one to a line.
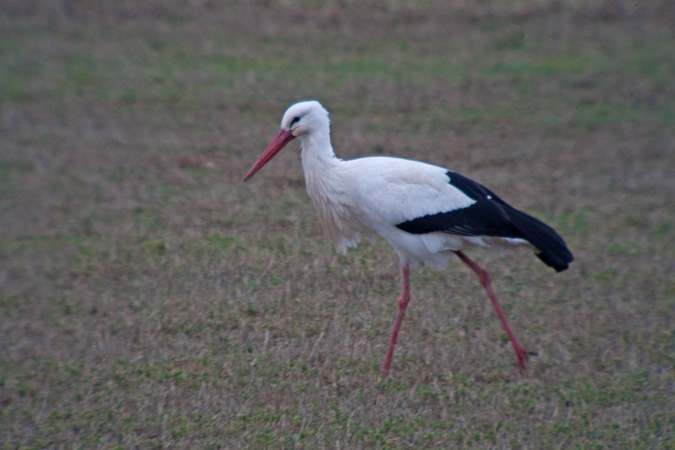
419	198
492	216
487	216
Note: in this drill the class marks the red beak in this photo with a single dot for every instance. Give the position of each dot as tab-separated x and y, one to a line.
282	138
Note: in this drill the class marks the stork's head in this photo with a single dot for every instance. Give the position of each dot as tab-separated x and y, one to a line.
300	120
304	117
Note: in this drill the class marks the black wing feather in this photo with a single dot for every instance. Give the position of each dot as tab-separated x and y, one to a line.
491	216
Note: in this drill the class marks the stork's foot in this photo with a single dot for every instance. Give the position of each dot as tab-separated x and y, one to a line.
522	355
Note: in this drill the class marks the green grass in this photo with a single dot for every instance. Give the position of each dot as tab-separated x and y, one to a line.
151	299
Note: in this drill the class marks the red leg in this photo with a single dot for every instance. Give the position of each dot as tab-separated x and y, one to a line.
402	304
485	281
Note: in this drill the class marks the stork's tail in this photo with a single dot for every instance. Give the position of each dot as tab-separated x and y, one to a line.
551	248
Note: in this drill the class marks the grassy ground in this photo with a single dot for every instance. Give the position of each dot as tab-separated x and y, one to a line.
151	299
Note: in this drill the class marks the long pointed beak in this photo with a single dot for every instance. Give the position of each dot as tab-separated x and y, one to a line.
282	138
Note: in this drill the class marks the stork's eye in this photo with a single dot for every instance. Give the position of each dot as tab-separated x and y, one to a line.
295	120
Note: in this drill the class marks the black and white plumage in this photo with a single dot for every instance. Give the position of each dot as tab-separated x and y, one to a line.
428	214
492	216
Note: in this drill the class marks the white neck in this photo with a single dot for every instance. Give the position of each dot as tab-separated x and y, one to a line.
317	154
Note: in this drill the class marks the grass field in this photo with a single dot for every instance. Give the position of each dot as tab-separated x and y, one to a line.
150	299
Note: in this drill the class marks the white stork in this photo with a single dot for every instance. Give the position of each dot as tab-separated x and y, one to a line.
428	214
